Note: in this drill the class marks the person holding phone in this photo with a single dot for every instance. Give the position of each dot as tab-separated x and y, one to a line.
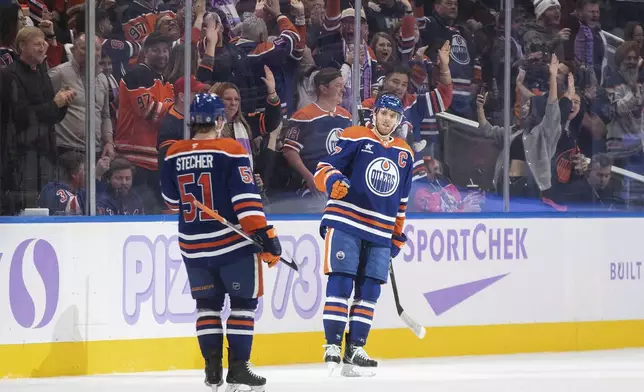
533	146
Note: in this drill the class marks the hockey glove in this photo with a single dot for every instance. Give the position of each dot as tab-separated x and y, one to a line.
337	186
271	249
397	243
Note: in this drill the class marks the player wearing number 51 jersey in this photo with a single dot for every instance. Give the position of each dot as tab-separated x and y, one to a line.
368	179
216	172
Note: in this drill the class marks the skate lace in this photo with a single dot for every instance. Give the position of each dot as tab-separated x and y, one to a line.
250	371
332	349
360	352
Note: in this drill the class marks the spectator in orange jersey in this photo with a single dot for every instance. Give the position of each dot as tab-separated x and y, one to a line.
145	98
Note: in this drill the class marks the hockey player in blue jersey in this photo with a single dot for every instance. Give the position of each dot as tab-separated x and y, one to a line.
217	172
368	180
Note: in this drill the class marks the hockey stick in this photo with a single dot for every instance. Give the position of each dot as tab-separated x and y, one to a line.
416	328
223	221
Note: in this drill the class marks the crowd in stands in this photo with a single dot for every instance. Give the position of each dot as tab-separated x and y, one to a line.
283	69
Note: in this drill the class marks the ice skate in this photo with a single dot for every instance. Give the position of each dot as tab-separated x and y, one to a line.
356	362
240	376
332	357
214	371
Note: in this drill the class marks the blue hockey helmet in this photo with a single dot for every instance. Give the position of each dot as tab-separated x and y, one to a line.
206	108
389	101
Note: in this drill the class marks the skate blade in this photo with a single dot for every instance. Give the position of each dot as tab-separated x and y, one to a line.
349	370
215	388
331	367
245	388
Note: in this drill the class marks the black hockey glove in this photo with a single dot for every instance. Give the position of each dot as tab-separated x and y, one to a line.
271	249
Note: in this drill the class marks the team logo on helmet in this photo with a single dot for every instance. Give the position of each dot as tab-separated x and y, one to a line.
332	139
382	177
459	52
206	108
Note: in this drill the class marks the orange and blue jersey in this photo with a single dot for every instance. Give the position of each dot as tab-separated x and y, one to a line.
313	133
145	98
282	56
380	173
218	174
139	20
121	53
464	65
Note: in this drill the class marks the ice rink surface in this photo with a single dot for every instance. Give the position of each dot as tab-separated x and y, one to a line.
613	371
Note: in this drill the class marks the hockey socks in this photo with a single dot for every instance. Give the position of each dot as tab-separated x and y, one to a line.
361	315
336	307
209	331
240	327
335	319
360	320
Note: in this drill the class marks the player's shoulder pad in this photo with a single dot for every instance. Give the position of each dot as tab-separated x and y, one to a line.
400	144
356	133
225	146
230	146
176	147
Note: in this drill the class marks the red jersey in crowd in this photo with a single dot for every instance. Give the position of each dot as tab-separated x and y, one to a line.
145	98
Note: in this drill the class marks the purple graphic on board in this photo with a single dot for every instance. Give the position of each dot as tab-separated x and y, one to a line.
304	287
43	257
153	271
155	281
444	299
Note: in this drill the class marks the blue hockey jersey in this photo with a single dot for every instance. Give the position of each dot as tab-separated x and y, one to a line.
380	174
59	198
464	63
218	174
313	133
109	204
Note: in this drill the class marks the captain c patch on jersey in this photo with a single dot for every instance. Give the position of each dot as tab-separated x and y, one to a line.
382	177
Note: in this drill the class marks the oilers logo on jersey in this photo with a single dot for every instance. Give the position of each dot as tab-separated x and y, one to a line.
332	139
380	174
459	51
382	177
